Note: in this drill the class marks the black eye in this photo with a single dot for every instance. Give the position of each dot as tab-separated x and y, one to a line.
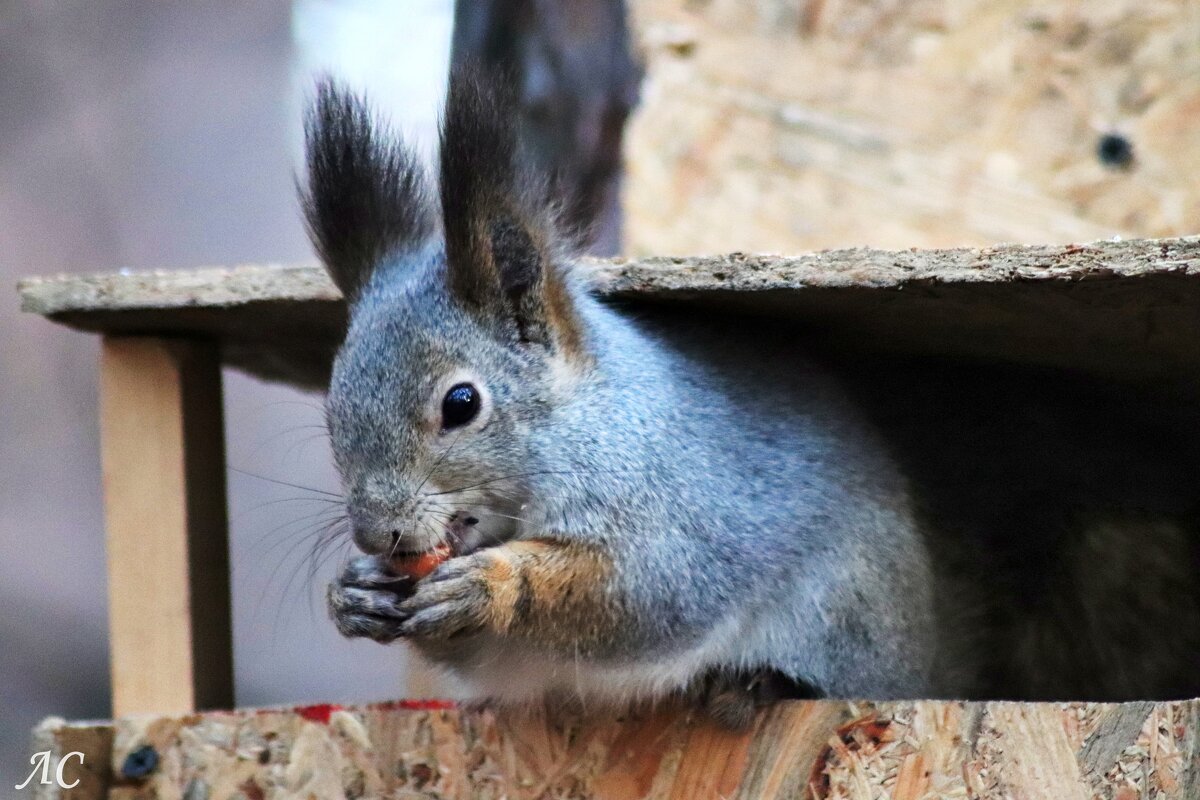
460	405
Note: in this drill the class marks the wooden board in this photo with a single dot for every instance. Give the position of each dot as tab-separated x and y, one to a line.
1125	310
820	750
163	456
787	125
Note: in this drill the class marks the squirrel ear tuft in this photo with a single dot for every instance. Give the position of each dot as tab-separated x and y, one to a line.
366	196
502	245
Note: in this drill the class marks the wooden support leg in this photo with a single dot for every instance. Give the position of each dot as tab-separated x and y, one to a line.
163	454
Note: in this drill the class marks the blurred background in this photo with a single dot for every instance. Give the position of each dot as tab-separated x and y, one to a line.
166	135
161	136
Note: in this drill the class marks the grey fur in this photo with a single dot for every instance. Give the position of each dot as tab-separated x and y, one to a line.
752	520
725	491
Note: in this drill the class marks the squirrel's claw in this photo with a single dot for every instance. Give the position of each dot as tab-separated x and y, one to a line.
364	601
369	613
452	600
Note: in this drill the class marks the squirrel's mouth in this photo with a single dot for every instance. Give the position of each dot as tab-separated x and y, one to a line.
460	539
465	533
462	534
478	528
468	530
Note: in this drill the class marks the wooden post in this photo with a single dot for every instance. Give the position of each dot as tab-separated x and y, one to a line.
163	455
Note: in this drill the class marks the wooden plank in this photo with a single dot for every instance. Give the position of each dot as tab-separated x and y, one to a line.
163	456
777	124
88	301
1126	310
819	750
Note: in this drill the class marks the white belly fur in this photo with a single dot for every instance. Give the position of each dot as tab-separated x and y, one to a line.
513	674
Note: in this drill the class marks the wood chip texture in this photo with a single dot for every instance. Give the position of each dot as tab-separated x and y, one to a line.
822	750
789	125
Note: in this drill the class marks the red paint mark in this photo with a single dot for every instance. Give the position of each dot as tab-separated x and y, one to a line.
427	705
416	705
318	713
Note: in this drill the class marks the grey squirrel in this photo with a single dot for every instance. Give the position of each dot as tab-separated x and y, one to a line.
636	508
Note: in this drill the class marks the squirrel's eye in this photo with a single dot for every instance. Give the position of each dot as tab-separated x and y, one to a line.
460	405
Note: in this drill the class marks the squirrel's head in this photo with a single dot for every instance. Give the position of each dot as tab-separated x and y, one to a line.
464	337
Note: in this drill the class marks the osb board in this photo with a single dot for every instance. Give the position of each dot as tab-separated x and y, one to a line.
1125	310
822	749
787	125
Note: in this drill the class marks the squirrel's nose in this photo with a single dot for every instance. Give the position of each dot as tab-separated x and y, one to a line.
375	541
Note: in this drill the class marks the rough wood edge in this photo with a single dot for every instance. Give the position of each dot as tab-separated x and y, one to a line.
217	287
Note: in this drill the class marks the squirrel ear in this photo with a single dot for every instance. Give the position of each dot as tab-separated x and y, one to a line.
366	197
502	247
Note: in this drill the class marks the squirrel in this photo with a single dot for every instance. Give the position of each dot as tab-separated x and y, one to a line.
634	510
635	507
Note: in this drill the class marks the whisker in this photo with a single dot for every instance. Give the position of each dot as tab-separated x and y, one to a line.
437	463
336	509
517	475
485	483
277	501
484	495
285	483
505	516
474	511
300	444
319	557
272	437
318	531
271	541
329	536
314	532
311	406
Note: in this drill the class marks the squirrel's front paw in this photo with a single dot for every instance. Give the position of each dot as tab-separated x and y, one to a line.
365	600
463	595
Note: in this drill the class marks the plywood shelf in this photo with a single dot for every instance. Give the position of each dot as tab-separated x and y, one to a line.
1118	309
820	750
